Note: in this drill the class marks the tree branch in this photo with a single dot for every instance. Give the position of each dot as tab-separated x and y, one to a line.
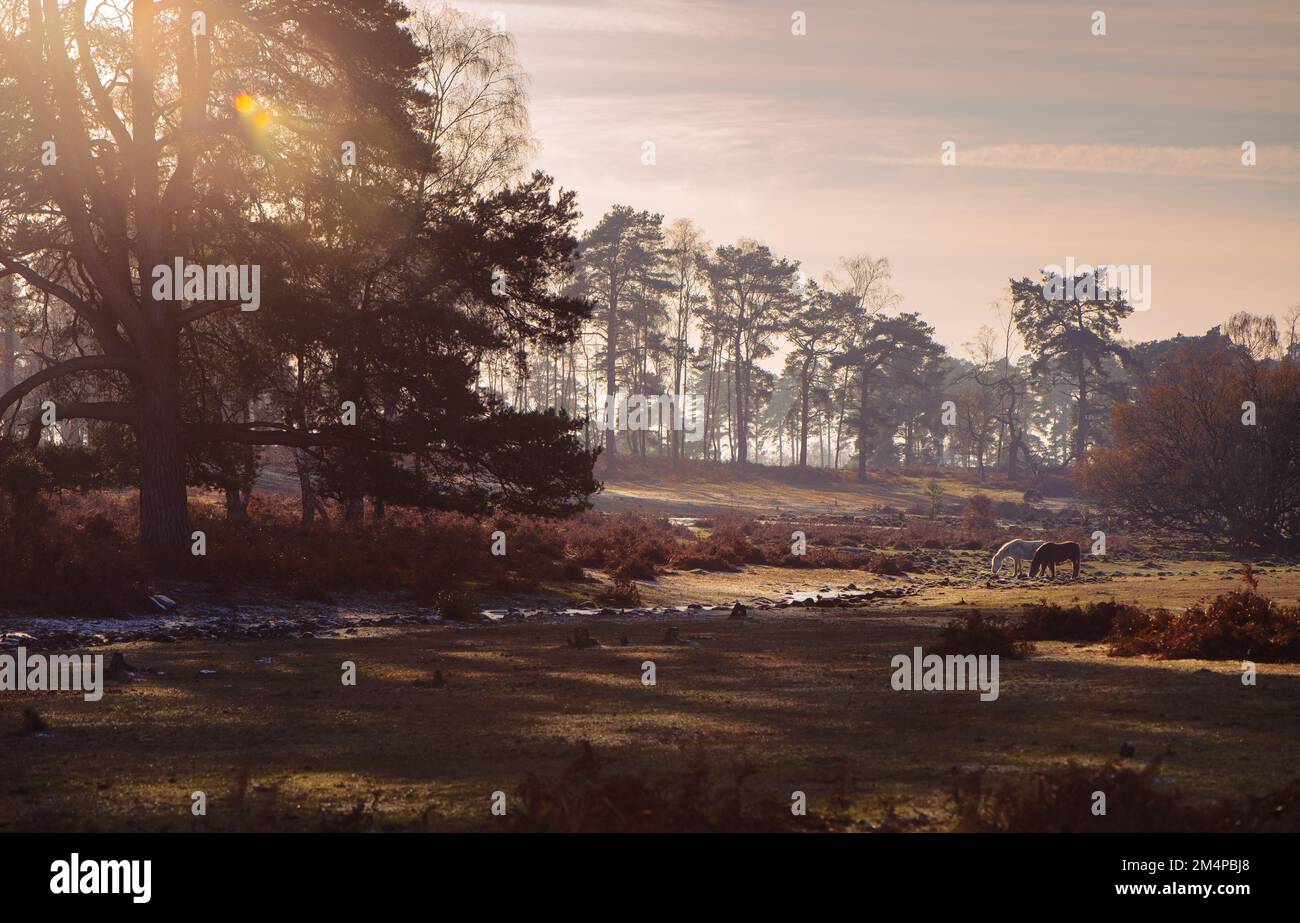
67	367
108	411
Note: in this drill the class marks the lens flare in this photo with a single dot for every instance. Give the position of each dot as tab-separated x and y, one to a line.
245	103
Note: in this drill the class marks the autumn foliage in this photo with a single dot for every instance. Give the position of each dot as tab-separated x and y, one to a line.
1190	452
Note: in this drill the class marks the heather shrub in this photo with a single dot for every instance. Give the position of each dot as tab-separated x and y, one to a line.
1045	621
976	633
895	565
978	512
623	594
1238	625
590	798
726	548
1059	800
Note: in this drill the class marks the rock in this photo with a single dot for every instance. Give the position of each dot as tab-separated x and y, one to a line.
33	723
581	639
118	669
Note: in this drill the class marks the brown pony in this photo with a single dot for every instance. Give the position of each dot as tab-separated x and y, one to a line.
1052	554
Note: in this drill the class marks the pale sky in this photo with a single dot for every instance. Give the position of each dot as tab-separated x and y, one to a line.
1123	148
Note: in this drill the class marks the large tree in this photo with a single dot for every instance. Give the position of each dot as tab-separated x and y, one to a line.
813	332
756	293
622	255
1071	326
684	256
222	133
1186	454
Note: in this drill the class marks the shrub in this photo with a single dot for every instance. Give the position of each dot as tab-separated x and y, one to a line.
978	513
455	606
896	566
727	547
1059	800
975	633
1238	625
934	491
1046	621
624	594
587	798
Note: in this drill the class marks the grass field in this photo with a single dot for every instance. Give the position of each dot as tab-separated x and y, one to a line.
803	696
789	699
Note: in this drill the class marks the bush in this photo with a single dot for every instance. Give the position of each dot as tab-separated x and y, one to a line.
88	569
975	633
1046	621
1239	625
624	594
727	548
1060	800
978	513
587	798
896	566
455	606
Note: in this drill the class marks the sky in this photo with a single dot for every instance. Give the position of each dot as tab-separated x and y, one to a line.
1123	148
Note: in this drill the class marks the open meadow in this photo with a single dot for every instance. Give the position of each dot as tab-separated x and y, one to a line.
246	704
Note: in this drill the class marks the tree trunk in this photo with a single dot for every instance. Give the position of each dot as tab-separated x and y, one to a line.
164	513
741	434
8	335
306	490
803	416
1081	437
611	373
862	428
237	504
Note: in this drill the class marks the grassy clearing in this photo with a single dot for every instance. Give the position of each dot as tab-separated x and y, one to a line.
802	696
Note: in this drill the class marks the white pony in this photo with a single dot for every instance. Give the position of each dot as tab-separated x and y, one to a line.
1016	548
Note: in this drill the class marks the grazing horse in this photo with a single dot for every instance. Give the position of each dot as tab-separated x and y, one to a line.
1052	554
1019	549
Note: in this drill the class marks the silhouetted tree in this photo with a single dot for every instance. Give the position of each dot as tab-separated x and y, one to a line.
1071	336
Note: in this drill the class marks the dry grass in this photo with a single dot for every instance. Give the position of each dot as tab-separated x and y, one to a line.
803	696
1062	800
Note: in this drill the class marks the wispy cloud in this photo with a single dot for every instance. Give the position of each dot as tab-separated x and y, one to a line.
1275	164
829	143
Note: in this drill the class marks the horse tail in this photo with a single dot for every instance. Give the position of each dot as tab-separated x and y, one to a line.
1075	557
